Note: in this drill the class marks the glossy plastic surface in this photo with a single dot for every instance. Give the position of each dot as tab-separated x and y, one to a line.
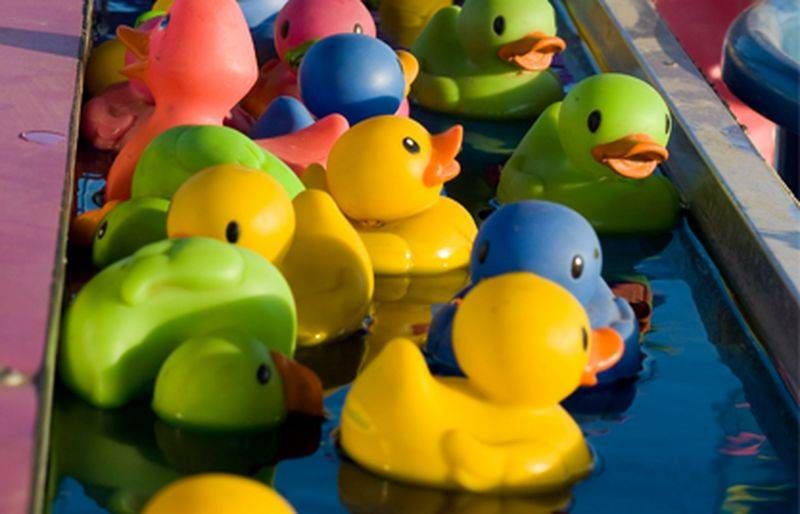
599	147
402	21
127	227
285	115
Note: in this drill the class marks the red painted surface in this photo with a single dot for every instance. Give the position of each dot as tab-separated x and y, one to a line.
701	26
39	48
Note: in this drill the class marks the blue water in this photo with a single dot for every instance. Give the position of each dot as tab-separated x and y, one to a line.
706	427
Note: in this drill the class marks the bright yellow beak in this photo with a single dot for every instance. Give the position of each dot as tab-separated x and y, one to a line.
533	52
605	350
634	156
443	165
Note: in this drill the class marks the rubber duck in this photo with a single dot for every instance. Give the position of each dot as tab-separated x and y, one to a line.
502	428
402	21
187	90
128	226
356	76
301	23
128	318
285	115
102	68
214	493
489	59
386	174
261	16
596	152
553	242
308	239
180	152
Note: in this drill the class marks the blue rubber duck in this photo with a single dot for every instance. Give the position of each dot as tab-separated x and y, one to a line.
554	242
285	115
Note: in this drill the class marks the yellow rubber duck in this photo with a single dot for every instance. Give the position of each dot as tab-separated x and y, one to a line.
402	21
525	343
308	238
386	174
215	493
102	68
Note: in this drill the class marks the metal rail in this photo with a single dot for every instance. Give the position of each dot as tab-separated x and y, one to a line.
748	220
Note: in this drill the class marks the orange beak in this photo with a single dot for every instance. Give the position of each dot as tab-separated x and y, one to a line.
302	388
410	67
533	52
138	42
635	156
605	350
443	165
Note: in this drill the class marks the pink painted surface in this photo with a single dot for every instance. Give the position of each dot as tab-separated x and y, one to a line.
701	26
39	48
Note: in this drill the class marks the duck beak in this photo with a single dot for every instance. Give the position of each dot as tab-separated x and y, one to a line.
533	52
302	388
634	156
443	165
137	41
605	350
410	67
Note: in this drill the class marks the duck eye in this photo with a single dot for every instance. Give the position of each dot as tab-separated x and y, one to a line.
585	339
232	232
285	29
668	124
101	231
594	121
164	22
499	25
263	374
410	145
577	267
483	252
358	29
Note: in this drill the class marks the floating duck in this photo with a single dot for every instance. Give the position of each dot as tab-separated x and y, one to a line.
128	226
126	320
180	152
489	59
311	242
216	493
285	115
596	152
301	23
553	242
386	174
102	68
501	429
187	90
356	76
402	21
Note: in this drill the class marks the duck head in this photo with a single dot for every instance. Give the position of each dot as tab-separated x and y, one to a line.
387	168
615	125
233	383
232	203
540	237
213	493
519	33
303	22
524	340
200	52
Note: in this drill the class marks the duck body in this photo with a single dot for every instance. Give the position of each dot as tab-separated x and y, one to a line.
501	429
386	175
451	81
402	21
556	243
467	450
543	168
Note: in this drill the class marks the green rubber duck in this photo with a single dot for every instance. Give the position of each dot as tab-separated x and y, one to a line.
221	301
489	59
128	226
597	152
177	154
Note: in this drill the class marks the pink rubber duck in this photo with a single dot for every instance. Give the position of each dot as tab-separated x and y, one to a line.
197	63
299	25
